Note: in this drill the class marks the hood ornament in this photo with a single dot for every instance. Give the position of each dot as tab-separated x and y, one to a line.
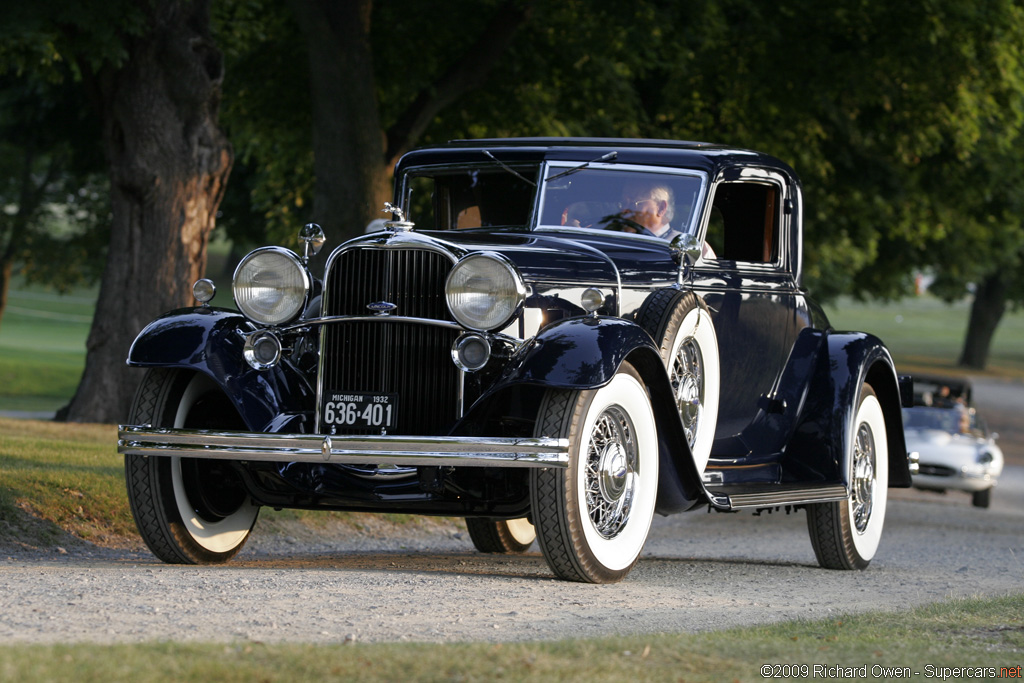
399	225
382	307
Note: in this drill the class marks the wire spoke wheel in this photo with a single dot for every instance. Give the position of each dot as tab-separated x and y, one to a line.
845	534
611	472
593	517
687	378
680	324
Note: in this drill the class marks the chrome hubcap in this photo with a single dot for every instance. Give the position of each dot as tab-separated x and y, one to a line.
612	469
612	472
863	477
688	384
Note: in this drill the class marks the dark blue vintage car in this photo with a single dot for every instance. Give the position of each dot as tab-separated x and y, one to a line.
552	338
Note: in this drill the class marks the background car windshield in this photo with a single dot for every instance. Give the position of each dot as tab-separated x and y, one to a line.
945	419
467	198
596	198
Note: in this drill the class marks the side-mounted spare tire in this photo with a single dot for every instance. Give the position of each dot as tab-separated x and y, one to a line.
680	324
187	510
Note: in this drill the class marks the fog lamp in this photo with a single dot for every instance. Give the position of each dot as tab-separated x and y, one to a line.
470	352
262	350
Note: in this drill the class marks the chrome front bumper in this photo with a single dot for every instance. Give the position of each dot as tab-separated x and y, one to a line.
454	451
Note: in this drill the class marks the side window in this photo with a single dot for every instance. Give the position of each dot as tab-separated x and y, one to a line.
744	222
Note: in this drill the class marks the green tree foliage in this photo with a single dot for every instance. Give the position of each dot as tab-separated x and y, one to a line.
903	119
53	195
151	76
267	116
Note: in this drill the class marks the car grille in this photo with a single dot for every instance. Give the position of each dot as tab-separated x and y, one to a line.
412	360
936	470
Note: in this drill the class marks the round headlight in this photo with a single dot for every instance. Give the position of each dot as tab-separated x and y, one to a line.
270	286
484	291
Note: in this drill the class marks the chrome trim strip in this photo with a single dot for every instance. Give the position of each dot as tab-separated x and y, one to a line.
827	494
327	320
356	450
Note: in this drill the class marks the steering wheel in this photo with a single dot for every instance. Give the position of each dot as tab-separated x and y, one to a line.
623	224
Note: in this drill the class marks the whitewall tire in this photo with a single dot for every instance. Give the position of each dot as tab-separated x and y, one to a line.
592	519
845	534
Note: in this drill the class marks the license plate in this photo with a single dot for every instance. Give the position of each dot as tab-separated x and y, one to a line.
343	409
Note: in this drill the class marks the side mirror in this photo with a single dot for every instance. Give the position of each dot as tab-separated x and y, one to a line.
313	236
686	249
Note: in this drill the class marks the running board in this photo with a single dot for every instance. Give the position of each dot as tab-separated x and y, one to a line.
805	496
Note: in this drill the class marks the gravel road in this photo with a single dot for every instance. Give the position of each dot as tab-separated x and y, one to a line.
423	582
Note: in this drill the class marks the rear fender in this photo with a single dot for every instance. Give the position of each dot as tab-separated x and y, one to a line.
820	443
211	341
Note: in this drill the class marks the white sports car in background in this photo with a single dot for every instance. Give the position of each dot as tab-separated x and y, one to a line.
956	449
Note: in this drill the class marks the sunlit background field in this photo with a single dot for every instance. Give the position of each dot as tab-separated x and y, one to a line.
42	340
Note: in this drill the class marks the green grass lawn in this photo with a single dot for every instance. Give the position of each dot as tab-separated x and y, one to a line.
925	334
42	347
59	477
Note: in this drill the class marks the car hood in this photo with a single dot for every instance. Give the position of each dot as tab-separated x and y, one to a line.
577	257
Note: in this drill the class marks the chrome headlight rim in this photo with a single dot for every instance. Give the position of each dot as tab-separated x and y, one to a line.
294	310
517	289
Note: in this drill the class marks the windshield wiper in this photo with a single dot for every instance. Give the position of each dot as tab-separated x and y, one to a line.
607	157
508	168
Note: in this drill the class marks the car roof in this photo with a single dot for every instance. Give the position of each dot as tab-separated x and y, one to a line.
672	153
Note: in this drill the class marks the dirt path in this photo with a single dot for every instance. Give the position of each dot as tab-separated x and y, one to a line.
699	572
423	582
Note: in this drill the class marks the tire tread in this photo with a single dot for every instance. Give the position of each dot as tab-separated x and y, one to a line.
142	480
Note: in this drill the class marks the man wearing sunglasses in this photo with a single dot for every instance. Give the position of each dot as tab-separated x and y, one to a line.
649	206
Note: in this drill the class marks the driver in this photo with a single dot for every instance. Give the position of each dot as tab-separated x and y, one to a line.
651	205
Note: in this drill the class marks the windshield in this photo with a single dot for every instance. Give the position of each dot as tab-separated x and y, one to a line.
463	198
621	198
629	199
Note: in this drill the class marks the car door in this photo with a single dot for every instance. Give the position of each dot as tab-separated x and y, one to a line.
747	277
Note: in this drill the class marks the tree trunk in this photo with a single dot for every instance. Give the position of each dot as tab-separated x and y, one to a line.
986	312
352	182
353	155
169	163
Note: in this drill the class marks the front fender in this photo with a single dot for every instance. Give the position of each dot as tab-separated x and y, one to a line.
577	353
210	341
821	442
585	353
